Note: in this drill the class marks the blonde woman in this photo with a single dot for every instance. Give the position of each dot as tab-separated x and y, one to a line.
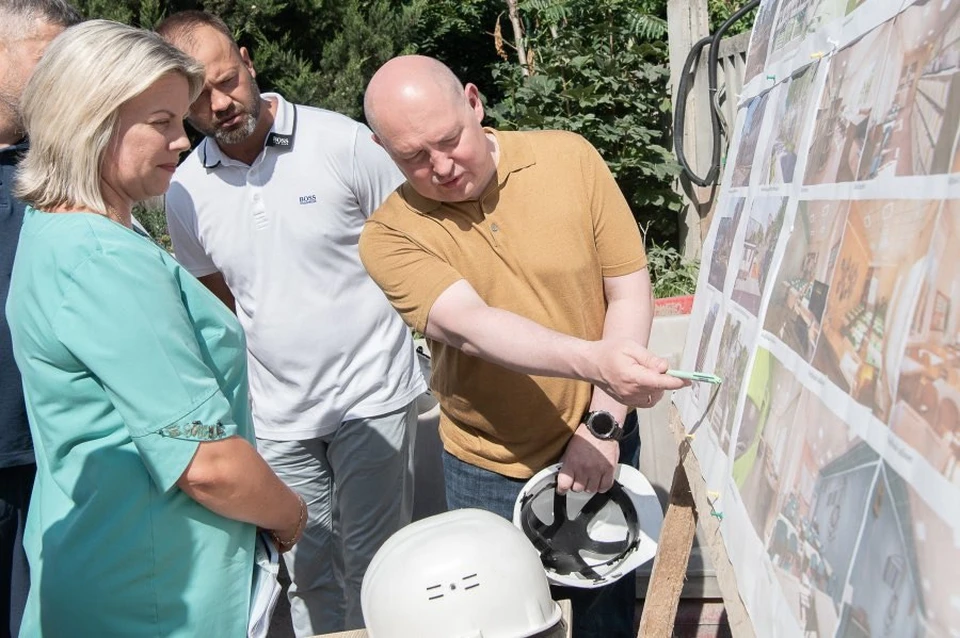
148	492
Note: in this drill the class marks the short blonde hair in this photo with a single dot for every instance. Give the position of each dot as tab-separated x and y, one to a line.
71	103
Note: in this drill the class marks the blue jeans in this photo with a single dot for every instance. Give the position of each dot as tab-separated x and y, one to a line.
605	612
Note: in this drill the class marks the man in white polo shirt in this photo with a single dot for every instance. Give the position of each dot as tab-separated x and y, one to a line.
267	212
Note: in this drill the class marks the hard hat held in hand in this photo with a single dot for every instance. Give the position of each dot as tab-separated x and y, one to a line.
466	573
585	539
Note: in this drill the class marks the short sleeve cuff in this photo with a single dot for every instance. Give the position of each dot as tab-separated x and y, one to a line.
433	292
628	268
167	452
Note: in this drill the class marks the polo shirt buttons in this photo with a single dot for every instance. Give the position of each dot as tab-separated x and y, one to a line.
494	227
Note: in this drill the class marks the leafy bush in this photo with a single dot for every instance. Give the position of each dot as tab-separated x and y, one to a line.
599	68
461	34
672	274
720	10
153	219
317	52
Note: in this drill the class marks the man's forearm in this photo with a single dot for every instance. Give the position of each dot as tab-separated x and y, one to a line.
622	367
623	319
517	343
628	316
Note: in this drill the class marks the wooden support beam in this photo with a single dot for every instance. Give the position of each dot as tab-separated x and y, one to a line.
670	566
687	22
737	616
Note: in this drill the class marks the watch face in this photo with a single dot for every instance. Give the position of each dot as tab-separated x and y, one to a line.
602	424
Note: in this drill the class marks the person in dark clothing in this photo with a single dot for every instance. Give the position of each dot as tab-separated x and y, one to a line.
26	28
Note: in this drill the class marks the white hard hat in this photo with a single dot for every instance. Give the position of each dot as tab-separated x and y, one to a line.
465	573
589	539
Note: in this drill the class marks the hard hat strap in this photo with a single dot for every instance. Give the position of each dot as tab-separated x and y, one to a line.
562	542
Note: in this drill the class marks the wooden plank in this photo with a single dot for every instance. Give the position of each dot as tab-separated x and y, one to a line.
566	611
566	608
670	565
688	22
737	616
733	55
731	60
736	44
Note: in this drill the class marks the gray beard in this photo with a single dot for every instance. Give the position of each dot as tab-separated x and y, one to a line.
246	129
241	133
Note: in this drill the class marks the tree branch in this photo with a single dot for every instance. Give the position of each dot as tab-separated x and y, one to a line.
518	36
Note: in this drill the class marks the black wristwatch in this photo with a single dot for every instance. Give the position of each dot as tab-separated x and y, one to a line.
603	426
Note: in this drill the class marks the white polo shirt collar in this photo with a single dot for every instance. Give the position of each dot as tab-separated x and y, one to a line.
283	232
281	134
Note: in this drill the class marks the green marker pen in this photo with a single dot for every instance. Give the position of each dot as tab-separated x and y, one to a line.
696	376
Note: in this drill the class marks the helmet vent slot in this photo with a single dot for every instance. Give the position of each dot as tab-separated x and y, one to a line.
471	581
434	592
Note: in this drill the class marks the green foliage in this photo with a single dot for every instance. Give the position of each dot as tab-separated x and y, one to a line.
671	274
318	52
720	10
151	216
648	27
369	34
460	33
599	68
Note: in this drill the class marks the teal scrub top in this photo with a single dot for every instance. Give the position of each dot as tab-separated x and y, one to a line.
128	363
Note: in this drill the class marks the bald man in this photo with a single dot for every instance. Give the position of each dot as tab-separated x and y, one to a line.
26	28
518	258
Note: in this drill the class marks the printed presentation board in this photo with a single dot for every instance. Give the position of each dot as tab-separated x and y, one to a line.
829	302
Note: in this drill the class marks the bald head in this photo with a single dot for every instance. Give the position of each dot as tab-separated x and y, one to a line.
430	125
407	82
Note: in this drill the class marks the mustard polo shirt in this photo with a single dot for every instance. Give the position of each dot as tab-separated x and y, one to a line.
538	242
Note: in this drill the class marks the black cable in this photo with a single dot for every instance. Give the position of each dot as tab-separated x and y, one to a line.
680	113
686	75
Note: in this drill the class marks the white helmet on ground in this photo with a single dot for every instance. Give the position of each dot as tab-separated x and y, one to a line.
590	540
466	573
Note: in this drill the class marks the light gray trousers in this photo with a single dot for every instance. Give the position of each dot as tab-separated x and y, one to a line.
358	485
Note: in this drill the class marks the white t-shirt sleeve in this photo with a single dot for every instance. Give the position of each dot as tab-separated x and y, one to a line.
375	176
184	234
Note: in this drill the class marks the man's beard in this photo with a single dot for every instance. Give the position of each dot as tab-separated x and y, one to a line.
247	124
242	132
